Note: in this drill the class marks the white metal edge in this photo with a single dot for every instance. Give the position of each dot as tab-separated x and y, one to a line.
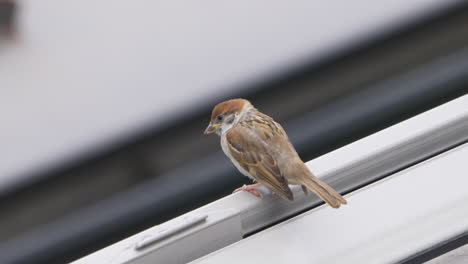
345	168
456	256
385	222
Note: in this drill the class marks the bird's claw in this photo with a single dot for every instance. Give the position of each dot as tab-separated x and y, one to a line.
251	189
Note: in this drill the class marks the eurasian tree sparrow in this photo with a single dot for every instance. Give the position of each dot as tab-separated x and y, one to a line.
261	150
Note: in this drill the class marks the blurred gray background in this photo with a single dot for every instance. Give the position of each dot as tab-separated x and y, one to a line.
104	103
82	74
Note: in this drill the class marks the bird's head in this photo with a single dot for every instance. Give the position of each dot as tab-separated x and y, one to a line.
226	114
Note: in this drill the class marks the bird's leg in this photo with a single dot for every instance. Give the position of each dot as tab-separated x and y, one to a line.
252	188
304	189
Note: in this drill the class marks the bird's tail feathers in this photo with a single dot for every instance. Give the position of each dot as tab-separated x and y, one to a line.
323	190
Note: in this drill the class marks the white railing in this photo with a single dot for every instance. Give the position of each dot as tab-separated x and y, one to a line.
228	220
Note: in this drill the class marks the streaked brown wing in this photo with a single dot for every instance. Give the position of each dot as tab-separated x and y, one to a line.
249	149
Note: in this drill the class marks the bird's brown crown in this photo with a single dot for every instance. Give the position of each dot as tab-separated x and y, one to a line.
228	107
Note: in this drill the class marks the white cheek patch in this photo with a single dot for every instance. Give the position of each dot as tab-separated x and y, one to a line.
231	119
227	125
225	128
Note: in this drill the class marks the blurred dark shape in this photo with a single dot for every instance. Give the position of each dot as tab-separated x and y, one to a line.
8	13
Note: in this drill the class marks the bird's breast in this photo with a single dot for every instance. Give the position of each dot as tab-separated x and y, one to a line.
224	146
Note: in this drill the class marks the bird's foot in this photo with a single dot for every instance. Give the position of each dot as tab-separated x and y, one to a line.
252	188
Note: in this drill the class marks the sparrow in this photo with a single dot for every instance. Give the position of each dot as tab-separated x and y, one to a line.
260	149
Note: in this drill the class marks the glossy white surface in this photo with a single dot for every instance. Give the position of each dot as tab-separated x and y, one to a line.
383	223
366	159
456	256
83	74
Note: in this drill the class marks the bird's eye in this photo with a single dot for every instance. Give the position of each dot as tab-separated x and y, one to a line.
220	117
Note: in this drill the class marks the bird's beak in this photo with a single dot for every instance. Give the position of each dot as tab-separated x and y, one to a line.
211	128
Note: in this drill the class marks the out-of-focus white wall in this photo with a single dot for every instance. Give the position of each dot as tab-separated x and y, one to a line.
85	73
